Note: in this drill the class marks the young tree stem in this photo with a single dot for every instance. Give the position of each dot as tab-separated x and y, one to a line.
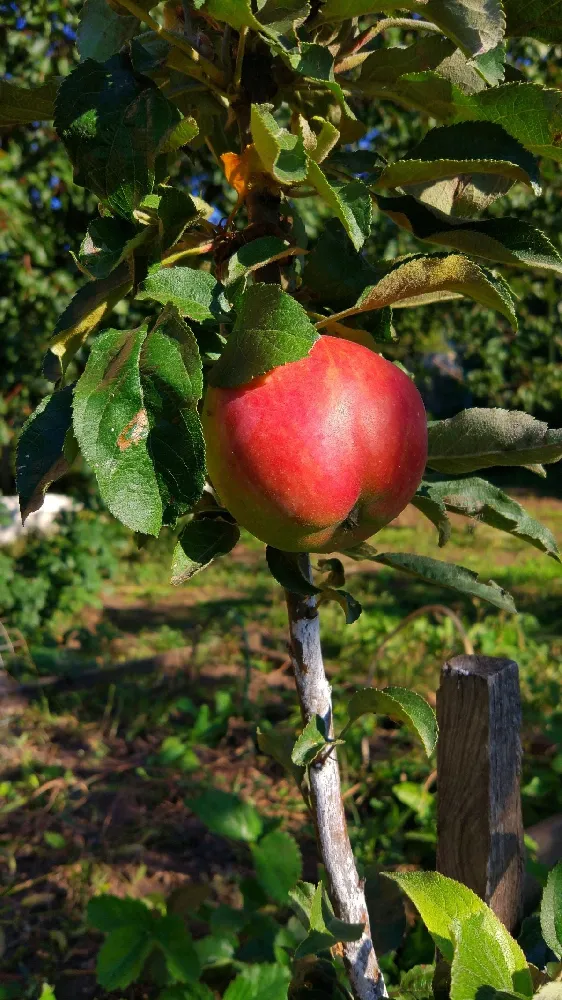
345	888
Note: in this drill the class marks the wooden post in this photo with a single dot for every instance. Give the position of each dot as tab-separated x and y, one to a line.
479	824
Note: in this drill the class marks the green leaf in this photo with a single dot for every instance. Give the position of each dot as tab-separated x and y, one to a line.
419	275
302	897
434	509
54	840
42	457
112	426
254	255
278	864
176	211
278	743
108	913
197	991
444	904
316	62
491	65
320	139
351	203
180	135
416	797
475	27
551	911
388	63
216	949
47	992
90	306
286	569
529	112
358	161
237	13
136	420
351	608
202	541
465	148
482	438
401	704
113	123
122	956
260	982
324	929
107	242
448	575
271	329
335	272
283	16
102	31
541	19
21	105
172	384
171	934
227	815
281	152
479	499
505	241
486	957
194	293
312	741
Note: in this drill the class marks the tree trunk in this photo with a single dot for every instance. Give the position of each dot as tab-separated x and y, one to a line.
345	888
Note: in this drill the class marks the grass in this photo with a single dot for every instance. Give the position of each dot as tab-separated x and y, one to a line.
94	784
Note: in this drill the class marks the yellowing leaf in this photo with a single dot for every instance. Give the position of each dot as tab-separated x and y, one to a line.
241	170
89	307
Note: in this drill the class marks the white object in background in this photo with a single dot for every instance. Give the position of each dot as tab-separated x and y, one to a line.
43	520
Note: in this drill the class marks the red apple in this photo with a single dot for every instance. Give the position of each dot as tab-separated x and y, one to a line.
320	453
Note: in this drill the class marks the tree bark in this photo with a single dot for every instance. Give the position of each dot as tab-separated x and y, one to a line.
345	888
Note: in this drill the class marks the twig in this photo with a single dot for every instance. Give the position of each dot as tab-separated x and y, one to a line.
350	58
177	41
240	56
178	60
345	888
436	609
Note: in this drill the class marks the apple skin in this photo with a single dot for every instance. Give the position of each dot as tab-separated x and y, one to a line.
318	454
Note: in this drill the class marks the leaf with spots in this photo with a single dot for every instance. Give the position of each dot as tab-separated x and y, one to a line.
136	421
476	498
411	277
171	380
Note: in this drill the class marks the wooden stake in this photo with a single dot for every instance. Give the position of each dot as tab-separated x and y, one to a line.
479	824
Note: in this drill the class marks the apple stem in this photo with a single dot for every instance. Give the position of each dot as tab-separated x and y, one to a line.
345	888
